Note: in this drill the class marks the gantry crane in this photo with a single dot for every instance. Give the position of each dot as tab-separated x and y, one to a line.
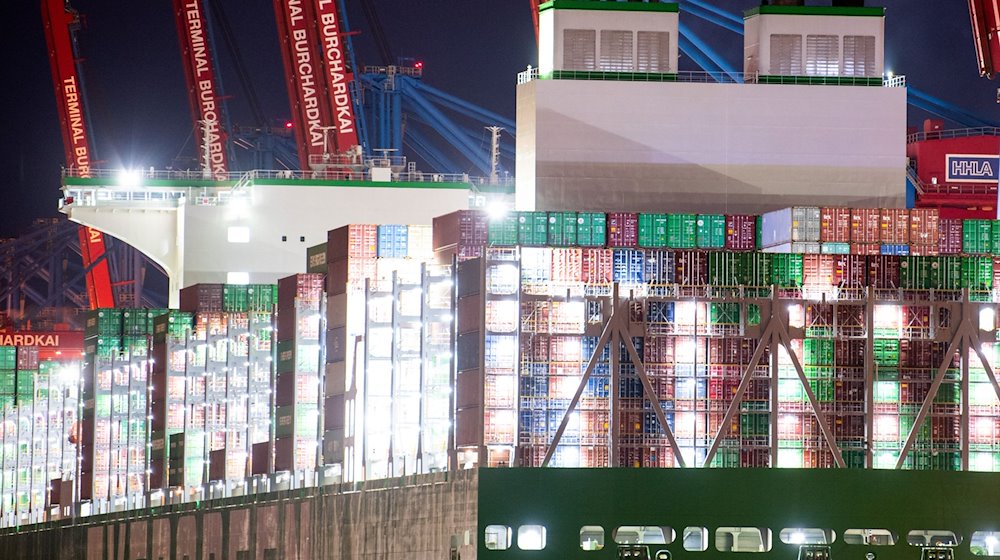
985	16
61	21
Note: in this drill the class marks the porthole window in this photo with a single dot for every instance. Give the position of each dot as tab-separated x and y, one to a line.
870	537
497	537
933	537
592	537
695	539
743	539
642	534
807	536
985	543
531	537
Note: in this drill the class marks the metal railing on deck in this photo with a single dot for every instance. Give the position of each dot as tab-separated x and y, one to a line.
710	77
957	133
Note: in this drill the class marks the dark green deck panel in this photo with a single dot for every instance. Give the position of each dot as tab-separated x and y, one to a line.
563	500
610	5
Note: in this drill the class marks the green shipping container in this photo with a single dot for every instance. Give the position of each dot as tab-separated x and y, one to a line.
532	229
948	393
786	270
977	272
711	231
682	231
728	269
977	237
591	229
262	297
502	231
726	458
758	269
886	352
316	259
8	357
724	313
758	425
817	351
652	231
823	389
886	392
833	248
562	229
103	322
753	314
234	298
995	239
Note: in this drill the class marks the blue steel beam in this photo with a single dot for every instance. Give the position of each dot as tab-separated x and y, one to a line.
728	16
940	112
697	10
446	127
461	106
709	52
970	118
355	88
697	56
425	149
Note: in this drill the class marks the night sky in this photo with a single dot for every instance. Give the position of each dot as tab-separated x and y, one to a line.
472	49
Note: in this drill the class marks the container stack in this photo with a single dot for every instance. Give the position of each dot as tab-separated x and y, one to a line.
298	373
115	390
228	378
172	333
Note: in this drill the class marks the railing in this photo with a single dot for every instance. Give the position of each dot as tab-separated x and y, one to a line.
956	133
143	196
133	183
412	71
709	77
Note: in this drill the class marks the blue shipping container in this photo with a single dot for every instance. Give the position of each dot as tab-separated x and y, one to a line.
392	241
899	250
660	312
628	266
599	387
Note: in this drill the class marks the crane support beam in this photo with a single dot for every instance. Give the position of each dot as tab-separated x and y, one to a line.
303	77
204	91
60	20
338	73
985	16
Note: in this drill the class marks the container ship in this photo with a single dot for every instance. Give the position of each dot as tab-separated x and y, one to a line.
680	344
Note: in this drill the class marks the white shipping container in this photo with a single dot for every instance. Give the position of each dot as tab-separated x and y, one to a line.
419	243
789	225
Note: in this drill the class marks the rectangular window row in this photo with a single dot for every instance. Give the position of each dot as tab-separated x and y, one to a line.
736	539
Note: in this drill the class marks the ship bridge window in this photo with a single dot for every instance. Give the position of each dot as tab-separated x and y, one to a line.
807	536
859	55
985	543
579	49
497	537
641	534
616	51
592	537
531	537
695	539
933	537
652	51
743	539
870	537
786	55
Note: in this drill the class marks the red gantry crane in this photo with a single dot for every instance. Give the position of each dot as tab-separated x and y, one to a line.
318	78
204	92
985	15
61	22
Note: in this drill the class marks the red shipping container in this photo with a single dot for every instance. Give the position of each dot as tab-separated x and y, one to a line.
924	250
996	272
817	270
464	227
567	265
741	232
949	236
866	248
355	240
623	229
849	353
895	226
597	266
865	225
916	321
692	268
883	272
849	271
659	349
924	224
835	225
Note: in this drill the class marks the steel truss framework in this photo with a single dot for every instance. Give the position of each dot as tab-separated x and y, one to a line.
952	315
43	270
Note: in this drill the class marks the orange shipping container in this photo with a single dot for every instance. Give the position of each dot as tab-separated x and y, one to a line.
865	223
835	225
924	228
895	226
